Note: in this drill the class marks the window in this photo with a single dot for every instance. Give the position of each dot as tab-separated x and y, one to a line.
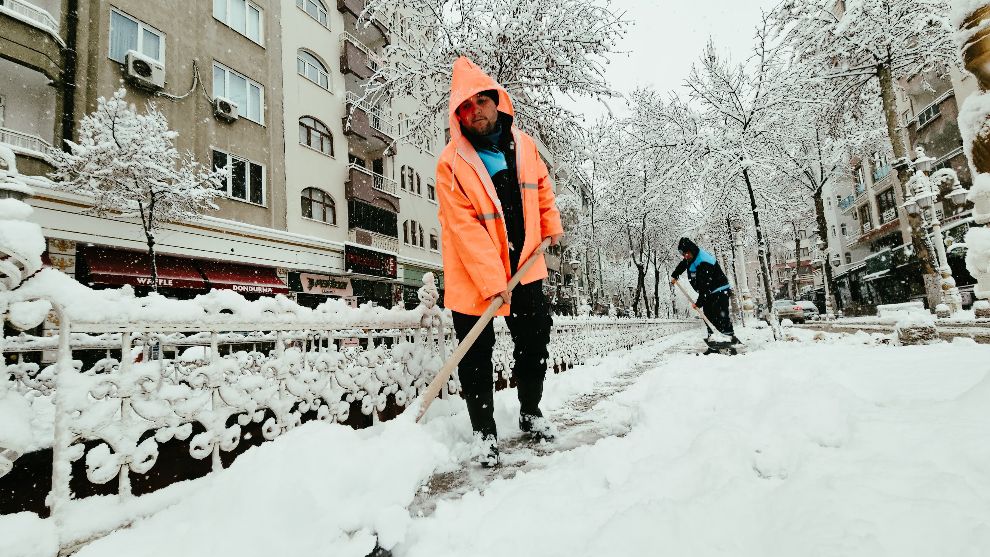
127	33
431	190
246	180
419	185
412	233
805	252
248	95
887	203
928	114
860	180
434	240
241	16
311	68
849	258
315	135
372	218
803	234
318	205
865	219
2	105
833	231
844	230
316	10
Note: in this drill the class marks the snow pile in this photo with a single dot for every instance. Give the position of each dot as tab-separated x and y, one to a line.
849	450
891	314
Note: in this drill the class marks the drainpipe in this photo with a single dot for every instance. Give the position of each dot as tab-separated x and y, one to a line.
69	73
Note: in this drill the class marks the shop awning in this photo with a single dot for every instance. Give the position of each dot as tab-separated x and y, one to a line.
114	267
245	279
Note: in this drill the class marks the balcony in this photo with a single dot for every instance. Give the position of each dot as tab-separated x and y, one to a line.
847	202
888	215
374	32
30	151
369	129
373	239
881	173
356	58
372	188
31	37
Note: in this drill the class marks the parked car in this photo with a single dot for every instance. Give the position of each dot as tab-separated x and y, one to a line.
787	309
809	308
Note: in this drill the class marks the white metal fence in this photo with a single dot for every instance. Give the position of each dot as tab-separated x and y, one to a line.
120	390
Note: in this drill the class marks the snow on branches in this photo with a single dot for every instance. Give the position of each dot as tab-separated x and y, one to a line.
538	51
128	164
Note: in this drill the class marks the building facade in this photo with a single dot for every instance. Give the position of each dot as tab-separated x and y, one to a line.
322	201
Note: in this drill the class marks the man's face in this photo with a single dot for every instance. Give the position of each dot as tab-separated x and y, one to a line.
478	114
688	256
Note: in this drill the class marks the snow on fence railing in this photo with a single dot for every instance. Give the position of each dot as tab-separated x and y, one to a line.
118	389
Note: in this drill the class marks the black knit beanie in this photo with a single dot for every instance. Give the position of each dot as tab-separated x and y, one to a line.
685	245
491	94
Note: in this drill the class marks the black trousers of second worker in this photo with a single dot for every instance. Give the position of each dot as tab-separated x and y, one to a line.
529	325
716	309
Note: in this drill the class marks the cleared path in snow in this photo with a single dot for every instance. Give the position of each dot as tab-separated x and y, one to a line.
578	424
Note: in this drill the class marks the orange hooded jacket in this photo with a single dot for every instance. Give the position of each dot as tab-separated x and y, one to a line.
475	242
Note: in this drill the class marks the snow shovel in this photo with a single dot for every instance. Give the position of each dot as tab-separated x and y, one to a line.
448	368
716	334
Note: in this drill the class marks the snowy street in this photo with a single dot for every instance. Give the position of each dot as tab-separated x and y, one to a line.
787	450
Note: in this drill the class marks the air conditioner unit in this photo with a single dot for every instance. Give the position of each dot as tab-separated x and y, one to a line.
225	109
144	71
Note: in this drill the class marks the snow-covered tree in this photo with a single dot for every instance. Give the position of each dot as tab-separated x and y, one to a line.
860	48
128	164
538	51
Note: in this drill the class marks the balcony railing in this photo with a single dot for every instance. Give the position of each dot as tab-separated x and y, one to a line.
23	141
379	241
379	182
847	202
375	61
31	13
881	172
378	117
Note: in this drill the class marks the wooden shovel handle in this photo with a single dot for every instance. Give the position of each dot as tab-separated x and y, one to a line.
445	372
696	308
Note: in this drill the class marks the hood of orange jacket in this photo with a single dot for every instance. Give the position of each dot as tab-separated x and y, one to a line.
467	81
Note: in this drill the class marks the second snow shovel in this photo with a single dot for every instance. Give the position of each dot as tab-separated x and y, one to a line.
448	368
716	335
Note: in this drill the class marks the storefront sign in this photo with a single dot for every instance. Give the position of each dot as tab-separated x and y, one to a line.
369	262
325	284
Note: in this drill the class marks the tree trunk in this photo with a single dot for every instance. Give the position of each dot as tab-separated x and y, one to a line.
761	244
921	251
797	262
656	285
823	234
151	255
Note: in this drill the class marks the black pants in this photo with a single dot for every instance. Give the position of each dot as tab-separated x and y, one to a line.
529	324
716	309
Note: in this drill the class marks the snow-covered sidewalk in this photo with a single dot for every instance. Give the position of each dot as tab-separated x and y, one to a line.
833	447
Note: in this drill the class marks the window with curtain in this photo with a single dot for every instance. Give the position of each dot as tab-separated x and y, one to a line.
311	68
241	16
318	205
315	135
248	95
127	33
316	10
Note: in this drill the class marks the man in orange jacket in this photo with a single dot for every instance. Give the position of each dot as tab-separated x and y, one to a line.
496	207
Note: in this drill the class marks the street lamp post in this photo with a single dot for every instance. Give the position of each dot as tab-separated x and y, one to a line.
742	279
923	199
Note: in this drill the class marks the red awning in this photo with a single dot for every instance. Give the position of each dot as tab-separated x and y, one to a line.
245	279
114	267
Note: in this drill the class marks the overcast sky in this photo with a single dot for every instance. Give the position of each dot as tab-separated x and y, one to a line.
667	36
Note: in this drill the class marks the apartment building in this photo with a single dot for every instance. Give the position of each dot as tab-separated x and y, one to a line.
877	264
322	201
